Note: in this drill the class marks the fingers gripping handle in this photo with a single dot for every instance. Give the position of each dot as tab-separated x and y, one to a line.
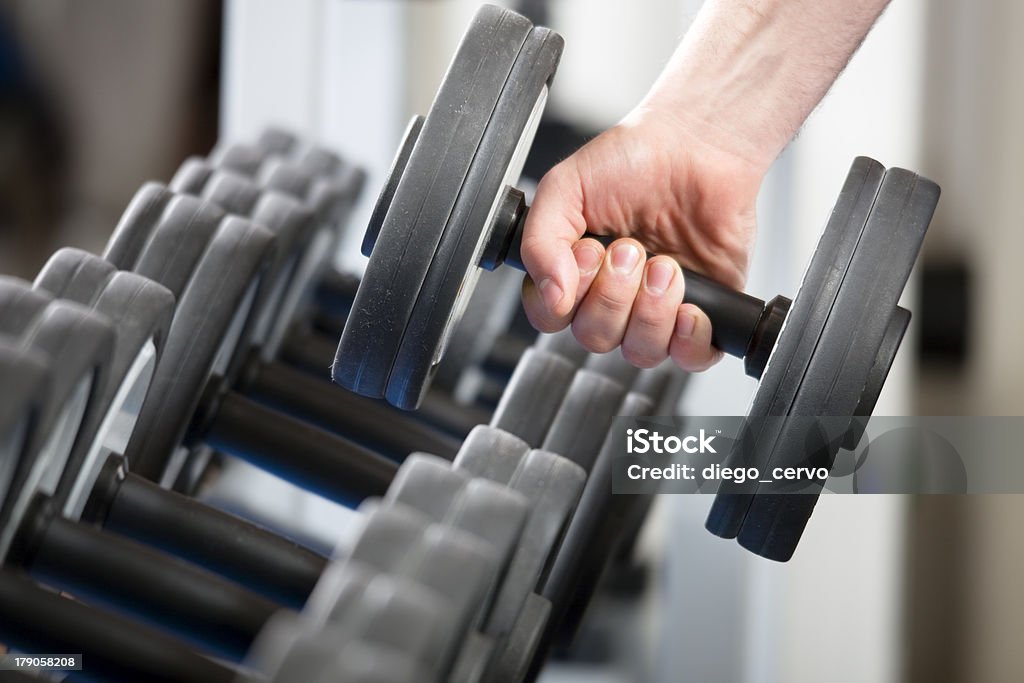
735	317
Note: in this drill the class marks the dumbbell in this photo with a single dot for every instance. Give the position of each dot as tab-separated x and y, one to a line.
560	417
65	408
142	311
57	410
601	522
664	388
589	398
813	356
329	198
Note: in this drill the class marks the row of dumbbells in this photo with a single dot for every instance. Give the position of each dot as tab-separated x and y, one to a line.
207	327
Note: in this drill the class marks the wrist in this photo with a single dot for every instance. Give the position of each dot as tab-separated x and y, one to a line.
707	142
747	143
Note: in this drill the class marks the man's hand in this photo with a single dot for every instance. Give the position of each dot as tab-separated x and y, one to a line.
680	176
649	182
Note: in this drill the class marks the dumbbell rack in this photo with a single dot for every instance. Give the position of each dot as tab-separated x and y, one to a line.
156	583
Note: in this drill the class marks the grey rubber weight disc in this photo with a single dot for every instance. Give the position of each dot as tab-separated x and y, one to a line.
592	399
453	564
488	511
553	486
362	603
798	340
29	371
77	345
424	200
533	395
140	311
454	268
289	648
205	321
292	225
846	353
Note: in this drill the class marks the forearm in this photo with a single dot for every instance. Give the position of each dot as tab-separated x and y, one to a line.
749	72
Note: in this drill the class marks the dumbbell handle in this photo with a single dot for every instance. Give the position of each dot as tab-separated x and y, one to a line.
136	508
191	602
371	424
297	451
741	325
113	648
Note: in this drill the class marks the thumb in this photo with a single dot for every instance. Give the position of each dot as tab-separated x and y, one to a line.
554	224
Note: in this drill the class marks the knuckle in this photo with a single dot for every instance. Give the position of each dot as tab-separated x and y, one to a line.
640	356
610	300
594	338
650	318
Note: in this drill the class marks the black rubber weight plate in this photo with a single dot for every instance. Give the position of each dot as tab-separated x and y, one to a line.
423	202
845	355
455	266
798	339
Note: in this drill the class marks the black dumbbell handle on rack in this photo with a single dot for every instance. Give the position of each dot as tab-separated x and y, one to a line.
90	563
742	325
34	619
268	563
298	451
314	353
371	424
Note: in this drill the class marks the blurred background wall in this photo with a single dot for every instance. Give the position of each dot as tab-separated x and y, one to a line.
96	97
99	96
